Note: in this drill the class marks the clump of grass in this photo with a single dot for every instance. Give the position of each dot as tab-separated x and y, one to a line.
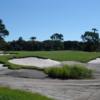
11	94
80	72
69	72
58	72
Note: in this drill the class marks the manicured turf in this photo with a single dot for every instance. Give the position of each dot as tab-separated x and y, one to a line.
62	55
55	55
10	94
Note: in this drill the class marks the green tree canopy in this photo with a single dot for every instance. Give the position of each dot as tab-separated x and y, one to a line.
3	31
33	38
89	36
57	36
91	40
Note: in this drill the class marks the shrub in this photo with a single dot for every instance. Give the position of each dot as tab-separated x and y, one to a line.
58	72
66	72
80	72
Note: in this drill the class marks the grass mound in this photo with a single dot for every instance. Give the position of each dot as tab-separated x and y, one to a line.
10	94
69	72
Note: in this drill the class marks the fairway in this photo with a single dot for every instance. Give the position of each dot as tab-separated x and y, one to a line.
61	55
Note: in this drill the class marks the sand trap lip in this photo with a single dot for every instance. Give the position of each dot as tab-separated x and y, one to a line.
4	54
2	67
33	61
95	61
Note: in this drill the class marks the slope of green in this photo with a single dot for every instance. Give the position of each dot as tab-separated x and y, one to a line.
10	94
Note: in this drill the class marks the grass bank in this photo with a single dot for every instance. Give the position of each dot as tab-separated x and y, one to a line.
11	94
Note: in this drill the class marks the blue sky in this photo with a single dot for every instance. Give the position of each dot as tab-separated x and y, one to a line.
42	18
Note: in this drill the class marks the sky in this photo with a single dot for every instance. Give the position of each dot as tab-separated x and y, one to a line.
42	18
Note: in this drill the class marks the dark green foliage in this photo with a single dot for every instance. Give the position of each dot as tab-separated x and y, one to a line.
33	38
57	37
3	31
49	45
91	40
21	44
69	72
53	45
3	44
90	37
73	45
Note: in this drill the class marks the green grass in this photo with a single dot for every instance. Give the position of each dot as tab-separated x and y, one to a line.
11	94
69	72
61	55
55	55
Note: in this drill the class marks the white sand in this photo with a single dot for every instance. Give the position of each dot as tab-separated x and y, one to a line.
3	54
2	67
95	61
33	61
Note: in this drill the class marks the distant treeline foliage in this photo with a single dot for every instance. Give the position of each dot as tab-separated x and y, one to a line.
47	45
90	42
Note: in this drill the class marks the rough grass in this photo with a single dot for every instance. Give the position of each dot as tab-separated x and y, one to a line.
55	55
11	94
69	72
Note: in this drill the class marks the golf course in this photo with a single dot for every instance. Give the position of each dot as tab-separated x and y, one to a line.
32	78
50	50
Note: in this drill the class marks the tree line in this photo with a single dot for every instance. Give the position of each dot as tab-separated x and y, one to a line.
90	42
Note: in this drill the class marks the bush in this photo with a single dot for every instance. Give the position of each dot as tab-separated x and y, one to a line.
58	72
80	72
69	72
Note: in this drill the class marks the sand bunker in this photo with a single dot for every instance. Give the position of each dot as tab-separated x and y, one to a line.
2	67
96	61
33	61
4	54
